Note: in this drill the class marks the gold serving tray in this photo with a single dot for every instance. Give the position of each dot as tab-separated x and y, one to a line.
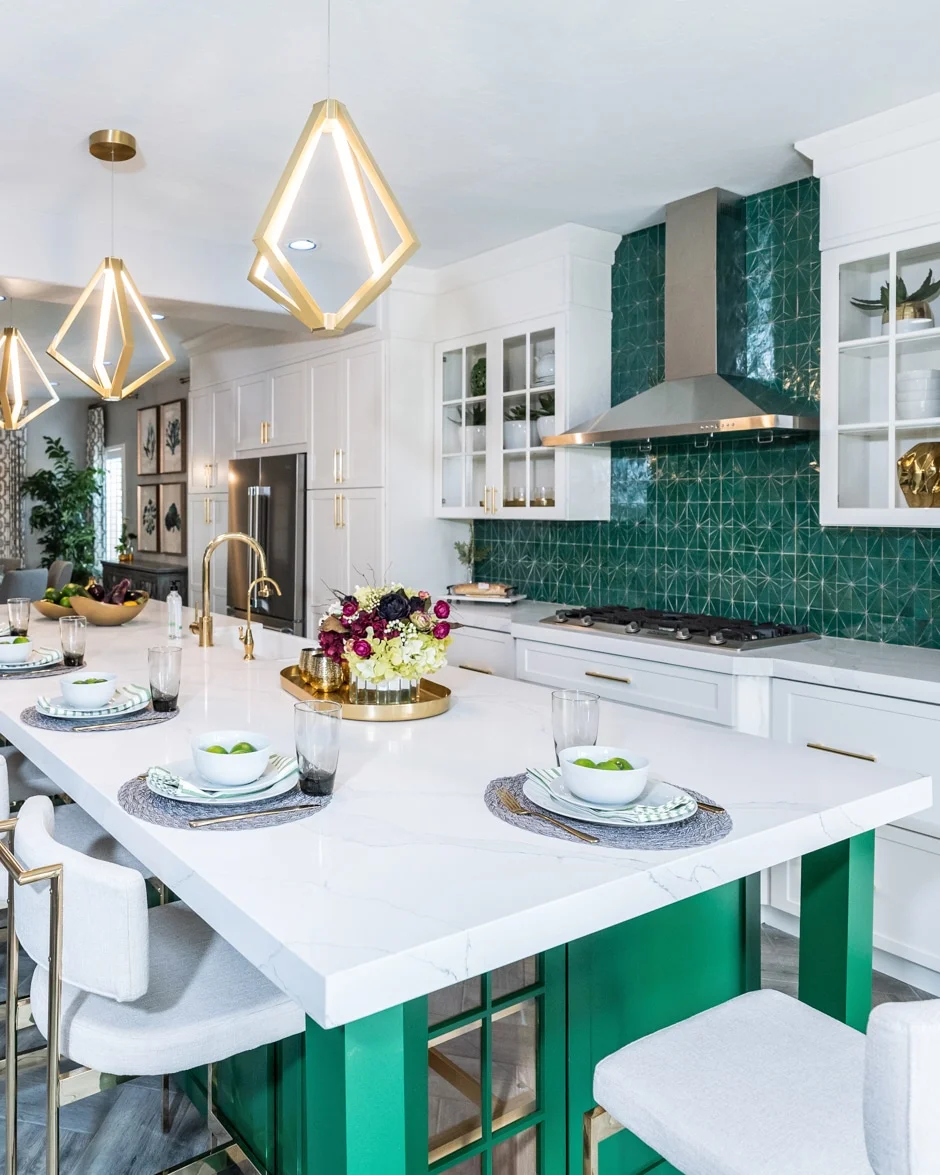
432	699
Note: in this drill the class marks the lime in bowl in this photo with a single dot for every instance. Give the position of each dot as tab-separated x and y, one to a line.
231	758
608	776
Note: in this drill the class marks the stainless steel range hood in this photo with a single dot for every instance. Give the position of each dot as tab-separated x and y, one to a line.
705	391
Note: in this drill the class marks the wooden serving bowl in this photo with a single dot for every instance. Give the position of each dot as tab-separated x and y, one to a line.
51	611
108	614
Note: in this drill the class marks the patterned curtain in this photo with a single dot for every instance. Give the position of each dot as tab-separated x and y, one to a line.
12	472
94	453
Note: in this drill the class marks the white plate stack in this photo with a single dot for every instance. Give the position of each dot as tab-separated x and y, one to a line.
918	394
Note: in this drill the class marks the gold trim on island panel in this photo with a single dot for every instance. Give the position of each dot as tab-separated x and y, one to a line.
433	698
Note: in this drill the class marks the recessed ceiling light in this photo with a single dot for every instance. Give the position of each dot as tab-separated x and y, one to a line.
53	383
302	244
106	362
158	317
3	297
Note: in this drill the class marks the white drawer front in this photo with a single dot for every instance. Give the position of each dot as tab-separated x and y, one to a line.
907	895
674	689
483	652
886	730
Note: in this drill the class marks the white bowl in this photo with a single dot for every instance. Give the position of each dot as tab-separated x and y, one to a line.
918	389
918	373
11	654
603	787
231	770
88	697
918	409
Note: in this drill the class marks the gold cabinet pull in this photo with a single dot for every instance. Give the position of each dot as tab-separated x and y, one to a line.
262	432
336	511
205	511
607	677
839	751
342	510
476	669
342	462
336	466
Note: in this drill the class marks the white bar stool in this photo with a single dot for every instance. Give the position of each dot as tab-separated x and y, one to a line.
25	778
119	989
765	1085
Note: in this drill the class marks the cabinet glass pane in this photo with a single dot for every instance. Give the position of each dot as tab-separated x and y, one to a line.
863	469
918	377
514	1048
476	370
918	448
542	479
453	375
863	386
542	362
861	280
454	1116
454	1001
514	364
514	977
917	296
452	481
517	1155
469	1167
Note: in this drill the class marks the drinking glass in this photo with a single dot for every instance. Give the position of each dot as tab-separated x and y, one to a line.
164	662
18	608
316	735
72	636
575	715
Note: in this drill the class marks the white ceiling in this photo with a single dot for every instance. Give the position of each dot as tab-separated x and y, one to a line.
492	120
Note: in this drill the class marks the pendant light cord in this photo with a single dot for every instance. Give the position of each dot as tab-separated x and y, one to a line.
112	207
329	40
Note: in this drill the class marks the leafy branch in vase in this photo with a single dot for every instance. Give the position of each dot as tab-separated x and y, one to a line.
470	554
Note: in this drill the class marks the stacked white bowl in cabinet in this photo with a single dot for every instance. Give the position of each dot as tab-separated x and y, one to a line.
918	394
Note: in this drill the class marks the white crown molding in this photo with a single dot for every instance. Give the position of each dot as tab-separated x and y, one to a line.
899	129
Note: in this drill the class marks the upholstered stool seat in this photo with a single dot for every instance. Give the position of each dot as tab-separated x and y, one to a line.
76	829
764	1085
204	1002
25	778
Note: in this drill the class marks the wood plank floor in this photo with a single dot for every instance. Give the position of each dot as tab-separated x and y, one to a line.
118	1132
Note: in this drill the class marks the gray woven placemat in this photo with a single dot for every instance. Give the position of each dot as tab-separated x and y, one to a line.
137	799
52	671
31	717
704	828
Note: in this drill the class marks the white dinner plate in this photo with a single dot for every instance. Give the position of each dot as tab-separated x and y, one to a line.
561	801
279	785
128	699
39	659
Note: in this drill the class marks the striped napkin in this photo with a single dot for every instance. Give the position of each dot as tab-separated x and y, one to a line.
126	697
681	803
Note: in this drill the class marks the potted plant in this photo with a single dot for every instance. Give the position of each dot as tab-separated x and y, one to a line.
472	417
519	433
125	548
470	554
63	496
545	415
912	311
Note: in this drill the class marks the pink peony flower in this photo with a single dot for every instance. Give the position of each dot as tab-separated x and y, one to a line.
350	608
441	630
362	649
424	595
442	609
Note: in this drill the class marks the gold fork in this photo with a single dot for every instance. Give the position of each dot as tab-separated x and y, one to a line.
508	800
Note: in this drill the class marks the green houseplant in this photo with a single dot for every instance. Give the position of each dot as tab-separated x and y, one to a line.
125	544
63	496
908	307
470	554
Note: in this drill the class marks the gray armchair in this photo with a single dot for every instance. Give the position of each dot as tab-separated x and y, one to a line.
60	573
24	583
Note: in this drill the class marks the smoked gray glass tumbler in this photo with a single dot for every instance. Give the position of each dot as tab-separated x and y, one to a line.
316	734
575	715
165	663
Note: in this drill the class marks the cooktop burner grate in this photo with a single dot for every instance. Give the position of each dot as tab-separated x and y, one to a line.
681	626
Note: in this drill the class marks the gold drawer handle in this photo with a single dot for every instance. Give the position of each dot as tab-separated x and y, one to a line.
607	677
476	669
839	751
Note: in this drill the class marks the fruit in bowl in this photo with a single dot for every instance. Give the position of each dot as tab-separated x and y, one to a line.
608	776
231	758
15	650
88	691
120	604
58	602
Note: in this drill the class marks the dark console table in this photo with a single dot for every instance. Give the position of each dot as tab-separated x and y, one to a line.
156	574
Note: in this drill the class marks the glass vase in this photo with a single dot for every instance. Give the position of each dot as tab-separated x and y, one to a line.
394	691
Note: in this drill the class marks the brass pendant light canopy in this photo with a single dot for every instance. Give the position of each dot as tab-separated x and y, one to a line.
330	118
20	377
120	304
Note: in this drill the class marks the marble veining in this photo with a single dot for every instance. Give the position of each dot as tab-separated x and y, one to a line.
406	883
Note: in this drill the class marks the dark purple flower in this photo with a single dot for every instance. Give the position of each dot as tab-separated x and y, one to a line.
417	604
357	628
350	606
441	630
362	649
442	609
394	606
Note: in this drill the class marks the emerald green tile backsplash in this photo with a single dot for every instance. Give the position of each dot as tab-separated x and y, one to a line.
732	528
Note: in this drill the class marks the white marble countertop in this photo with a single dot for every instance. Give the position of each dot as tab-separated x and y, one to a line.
406	883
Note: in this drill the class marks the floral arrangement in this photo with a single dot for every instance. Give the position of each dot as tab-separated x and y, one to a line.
387	632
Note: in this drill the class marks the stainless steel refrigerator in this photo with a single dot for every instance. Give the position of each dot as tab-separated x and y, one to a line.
266	501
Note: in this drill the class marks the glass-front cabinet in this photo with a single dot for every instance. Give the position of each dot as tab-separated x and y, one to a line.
880	411
499	395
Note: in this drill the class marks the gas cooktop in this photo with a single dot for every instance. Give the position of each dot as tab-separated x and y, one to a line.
693	627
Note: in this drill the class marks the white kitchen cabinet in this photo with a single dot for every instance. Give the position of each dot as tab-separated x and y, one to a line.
483	651
347	419
346	546
252	412
497	393
208	517
211	438
868	727
271	410
673	689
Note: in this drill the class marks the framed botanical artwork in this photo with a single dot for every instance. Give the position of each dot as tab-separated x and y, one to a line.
148	518
148	423
172	441
173	517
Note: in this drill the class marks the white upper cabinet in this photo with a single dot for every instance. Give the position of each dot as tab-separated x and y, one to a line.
211	438
347	419
498	394
346	528
271	410
252	412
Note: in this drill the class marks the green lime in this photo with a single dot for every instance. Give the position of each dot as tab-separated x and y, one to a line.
608	765
21	640
242	749
584	763
49	594
217	750
622	764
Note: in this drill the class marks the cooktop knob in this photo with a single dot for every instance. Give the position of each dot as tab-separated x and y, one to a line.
683	634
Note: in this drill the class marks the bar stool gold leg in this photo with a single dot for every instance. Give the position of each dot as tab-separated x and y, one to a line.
598	1125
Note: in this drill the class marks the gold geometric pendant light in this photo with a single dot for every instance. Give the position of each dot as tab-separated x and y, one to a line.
331	118
120	304
21	378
